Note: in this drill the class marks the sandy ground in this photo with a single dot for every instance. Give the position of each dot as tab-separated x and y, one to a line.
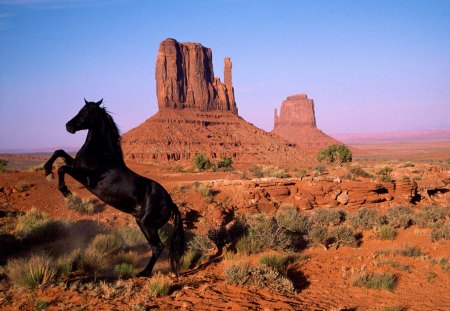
323	278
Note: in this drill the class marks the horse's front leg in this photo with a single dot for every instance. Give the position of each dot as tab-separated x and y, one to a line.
48	166
78	174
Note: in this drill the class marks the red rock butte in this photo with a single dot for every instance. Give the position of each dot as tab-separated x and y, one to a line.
198	115
297	124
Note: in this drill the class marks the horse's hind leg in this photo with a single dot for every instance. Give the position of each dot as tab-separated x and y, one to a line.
157	247
57	154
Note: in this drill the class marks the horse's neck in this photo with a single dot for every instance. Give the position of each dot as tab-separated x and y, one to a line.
98	145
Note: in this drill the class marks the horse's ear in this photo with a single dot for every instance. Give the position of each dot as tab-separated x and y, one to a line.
85	101
99	102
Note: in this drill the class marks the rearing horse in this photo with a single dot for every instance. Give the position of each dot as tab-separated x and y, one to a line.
100	167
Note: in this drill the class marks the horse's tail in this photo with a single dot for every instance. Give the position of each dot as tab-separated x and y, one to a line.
177	243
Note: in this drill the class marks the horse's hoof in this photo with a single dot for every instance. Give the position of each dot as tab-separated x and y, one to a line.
67	194
50	177
144	274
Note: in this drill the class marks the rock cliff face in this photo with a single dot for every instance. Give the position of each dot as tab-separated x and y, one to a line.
297	123
198	115
185	79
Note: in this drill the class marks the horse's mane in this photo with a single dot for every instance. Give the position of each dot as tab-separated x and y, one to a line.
111	132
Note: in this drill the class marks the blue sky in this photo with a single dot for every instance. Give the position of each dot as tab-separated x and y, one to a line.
370	66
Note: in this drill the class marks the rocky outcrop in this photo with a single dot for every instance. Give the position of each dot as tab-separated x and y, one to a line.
185	79
297	123
198	115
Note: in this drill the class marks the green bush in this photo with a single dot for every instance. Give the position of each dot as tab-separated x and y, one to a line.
344	236
409	251
441	231
386	232
365	218
82	206
202	163
262	233
225	164
92	261
159	285
359	171
125	270
318	235
197	249
377	281
257	171
38	271
429	216
35	225
242	273
329	217
132	236
399	216
106	243
335	154
288	217
275	262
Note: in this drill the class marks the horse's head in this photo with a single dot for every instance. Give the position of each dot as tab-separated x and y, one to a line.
85	119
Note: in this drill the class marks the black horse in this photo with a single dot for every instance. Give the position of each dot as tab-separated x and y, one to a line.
100	167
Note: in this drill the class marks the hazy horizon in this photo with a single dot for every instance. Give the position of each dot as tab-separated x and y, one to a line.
370	67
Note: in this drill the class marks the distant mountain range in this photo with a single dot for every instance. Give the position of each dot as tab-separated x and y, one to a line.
393	137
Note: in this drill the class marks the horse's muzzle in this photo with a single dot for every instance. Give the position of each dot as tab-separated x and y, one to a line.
70	128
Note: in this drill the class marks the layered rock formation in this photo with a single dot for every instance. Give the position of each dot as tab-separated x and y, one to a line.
198	114
297	124
185	79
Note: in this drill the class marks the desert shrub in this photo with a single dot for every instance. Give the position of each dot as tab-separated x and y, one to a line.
386	232
130	257
275	172
288	217
359	171
3	164
329	217
92	261
67	264
399	216
429	216
82	206
256	171
197	249
344	236
441	231
202	163
132	236
225	164
335	154
385	174
443	263
35	272
106	243
397	265
205	191
35	225
318	235
319	170
242	273
159	285
260	234
409	251
125	270
377	281
365	218
222	235
275	262
408	164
